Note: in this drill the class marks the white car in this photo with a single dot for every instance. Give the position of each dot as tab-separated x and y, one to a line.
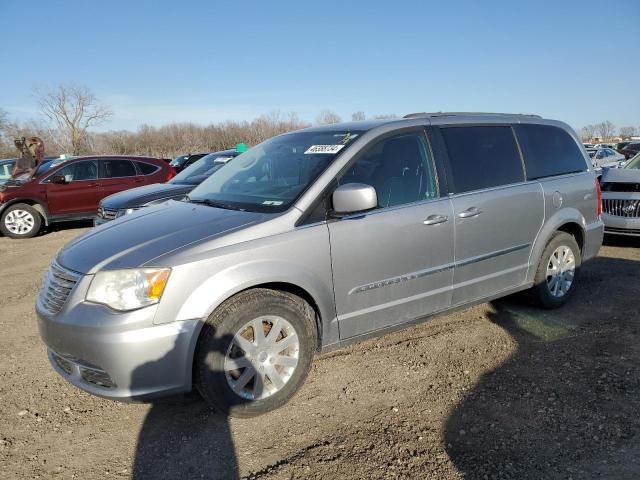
605	157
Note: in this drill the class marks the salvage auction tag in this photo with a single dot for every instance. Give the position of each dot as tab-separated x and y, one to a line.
332	149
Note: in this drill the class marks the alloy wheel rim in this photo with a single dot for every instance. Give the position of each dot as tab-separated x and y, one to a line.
19	222
561	270
262	357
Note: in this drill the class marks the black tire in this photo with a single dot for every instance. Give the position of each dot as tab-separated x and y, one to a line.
215	341
20	207
541	291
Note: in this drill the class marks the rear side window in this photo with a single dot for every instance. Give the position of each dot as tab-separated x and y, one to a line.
482	157
549	151
118	168
147	168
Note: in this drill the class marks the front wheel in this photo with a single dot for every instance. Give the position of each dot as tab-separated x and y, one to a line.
254	352
20	221
557	271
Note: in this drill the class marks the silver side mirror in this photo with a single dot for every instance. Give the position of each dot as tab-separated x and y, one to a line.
354	197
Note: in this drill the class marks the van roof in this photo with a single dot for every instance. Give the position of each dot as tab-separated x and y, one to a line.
468	114
438	118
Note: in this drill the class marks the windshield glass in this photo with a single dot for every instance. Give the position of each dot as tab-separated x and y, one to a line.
272	175
199	171
634	162
43	167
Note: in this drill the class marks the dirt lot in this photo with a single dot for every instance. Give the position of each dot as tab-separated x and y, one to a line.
497	391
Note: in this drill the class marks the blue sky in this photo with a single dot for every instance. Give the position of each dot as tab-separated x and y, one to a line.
160	61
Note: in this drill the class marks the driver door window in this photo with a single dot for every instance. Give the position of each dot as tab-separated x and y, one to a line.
400	168
79	171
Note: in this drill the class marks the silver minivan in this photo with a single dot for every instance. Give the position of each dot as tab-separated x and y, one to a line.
315	239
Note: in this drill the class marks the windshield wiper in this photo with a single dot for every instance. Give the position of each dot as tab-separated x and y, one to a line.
214	203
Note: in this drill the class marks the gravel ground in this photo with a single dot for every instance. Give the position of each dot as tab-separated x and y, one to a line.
497	391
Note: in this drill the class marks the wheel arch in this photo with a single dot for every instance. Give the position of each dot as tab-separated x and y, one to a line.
568	220
35	203
275	276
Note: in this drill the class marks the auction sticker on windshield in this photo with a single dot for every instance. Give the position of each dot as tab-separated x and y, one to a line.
331	149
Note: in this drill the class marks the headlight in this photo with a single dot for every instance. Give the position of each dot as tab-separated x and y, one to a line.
125	211
128	289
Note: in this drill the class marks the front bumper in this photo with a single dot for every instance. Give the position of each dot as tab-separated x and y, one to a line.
99	221
117	355
621	225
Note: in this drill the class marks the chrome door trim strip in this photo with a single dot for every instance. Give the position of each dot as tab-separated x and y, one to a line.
433	270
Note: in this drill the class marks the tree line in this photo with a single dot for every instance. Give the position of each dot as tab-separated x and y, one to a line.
70	113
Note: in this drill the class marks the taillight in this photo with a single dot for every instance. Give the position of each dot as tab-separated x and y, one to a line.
170	174
599	197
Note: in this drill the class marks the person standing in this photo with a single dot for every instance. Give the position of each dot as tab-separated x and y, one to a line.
31	155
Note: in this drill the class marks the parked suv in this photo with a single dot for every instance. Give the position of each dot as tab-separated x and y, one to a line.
124	203
314	239
71	189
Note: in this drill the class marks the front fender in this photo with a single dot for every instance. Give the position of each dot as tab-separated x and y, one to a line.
226	283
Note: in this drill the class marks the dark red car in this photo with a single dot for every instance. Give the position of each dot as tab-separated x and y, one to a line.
66	190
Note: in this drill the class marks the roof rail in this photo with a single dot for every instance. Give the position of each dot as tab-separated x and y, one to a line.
468	114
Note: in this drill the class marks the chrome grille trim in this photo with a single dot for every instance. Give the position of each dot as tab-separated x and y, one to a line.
107	213
57	286
625	208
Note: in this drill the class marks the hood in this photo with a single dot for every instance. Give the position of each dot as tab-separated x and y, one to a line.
621	175
139	196
137	239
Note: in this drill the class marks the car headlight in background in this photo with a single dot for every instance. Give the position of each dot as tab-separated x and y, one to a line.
128	289
125	211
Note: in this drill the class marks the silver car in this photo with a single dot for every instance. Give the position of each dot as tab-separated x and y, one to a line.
621	199
315	239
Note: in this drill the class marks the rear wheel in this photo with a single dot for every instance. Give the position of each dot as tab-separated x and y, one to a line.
20	221
557	271
254	352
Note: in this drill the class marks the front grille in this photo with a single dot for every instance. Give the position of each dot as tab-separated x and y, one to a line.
58	284
621	208
107	213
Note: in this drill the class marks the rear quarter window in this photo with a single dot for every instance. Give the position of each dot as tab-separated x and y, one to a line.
147	168
549	151
482	157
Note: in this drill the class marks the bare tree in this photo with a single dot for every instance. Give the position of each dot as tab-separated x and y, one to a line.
73	109
357	116
588	132
4	120
385	116
327	116
179	138
627	132
605	130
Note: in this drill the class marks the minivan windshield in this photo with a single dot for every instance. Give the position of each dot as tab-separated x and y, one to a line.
272	175
634	162
199	171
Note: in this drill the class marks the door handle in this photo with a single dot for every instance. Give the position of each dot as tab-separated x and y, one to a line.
435	219
470	212
93	185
